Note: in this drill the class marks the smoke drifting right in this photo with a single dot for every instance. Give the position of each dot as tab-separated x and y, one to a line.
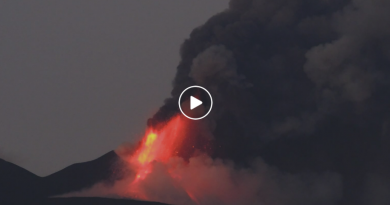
300	114
301	86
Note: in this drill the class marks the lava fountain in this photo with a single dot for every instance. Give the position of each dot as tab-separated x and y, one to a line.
171	164
159	145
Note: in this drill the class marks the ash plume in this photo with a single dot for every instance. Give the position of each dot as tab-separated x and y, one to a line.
301	109
303	84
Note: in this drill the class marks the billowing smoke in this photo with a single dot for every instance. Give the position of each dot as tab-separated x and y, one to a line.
215	66
301	109
208	181
303	84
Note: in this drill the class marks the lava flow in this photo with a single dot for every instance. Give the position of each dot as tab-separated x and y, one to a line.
158	145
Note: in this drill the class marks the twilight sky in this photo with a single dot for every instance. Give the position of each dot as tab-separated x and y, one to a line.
79	78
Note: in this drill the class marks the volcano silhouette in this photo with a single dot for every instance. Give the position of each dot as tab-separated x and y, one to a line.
19	186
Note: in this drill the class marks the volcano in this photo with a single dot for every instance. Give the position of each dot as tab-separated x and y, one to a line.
19	186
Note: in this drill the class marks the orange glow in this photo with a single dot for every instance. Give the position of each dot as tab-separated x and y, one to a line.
162	152
158	145
146	154
192	197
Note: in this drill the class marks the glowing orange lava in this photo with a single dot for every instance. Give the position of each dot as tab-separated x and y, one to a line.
146	154
162	144
157	145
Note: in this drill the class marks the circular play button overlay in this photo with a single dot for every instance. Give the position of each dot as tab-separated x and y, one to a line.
195	102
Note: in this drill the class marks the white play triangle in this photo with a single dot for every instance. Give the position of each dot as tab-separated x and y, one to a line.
194	102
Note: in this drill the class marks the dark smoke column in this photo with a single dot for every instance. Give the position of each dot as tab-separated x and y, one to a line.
302	83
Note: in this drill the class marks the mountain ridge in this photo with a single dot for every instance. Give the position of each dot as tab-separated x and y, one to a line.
19	186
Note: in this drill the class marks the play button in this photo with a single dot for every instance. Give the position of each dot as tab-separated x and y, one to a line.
195	102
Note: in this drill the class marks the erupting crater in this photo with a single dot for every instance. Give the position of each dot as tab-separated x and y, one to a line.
161	145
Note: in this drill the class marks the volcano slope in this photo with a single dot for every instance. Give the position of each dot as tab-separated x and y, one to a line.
19	186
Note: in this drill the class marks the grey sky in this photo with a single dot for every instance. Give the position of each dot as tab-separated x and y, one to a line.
77	78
